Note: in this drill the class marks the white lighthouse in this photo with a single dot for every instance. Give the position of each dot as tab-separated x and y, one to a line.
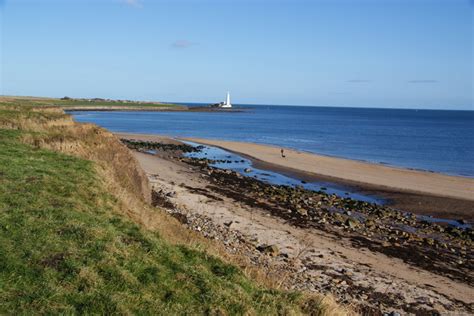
227	103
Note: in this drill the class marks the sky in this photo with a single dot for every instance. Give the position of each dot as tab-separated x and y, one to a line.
360	53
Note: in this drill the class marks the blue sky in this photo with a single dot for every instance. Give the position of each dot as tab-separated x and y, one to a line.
379	53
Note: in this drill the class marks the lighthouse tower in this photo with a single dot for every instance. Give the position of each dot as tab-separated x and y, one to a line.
227	103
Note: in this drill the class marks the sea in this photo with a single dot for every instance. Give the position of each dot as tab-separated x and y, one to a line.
432	140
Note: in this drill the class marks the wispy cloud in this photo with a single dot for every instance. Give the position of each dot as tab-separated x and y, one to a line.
423	81
359	81
134	3
181	44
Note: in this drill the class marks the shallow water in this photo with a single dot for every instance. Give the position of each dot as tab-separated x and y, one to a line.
445	221
239	164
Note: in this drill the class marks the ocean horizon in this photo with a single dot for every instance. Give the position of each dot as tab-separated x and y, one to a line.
249	105
431	140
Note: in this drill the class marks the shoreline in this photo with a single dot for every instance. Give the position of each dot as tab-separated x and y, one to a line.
93	108
420	192
177	108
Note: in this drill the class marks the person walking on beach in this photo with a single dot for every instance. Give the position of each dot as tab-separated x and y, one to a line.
283	153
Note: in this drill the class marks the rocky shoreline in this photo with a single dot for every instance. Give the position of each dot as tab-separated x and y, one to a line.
446	250
443	250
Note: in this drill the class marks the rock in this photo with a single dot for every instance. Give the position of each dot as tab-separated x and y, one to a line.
247	170
302	211
462	221
171	194
229	223
369	223
430	241
284	255
455	232
271	250
351	223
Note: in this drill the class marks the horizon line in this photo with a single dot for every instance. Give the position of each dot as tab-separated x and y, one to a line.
261	104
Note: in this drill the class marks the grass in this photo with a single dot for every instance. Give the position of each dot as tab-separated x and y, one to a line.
69	244
66	103
64	249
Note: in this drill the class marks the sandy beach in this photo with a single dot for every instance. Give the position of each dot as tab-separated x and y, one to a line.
351	170
410	190
373	268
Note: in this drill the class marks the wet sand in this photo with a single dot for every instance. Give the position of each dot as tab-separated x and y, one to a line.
414	191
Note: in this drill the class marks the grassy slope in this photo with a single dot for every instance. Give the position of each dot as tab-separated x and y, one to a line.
83	103
64	248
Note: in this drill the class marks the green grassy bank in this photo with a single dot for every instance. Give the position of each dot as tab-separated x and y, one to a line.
70	103
65	246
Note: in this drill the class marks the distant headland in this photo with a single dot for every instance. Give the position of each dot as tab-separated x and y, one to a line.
105	104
